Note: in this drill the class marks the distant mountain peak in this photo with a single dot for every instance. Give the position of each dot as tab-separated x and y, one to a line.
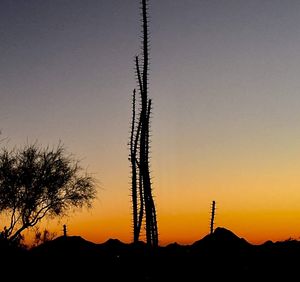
113	242
221	237
223	233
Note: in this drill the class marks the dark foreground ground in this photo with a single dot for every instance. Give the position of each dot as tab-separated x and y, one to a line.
219	256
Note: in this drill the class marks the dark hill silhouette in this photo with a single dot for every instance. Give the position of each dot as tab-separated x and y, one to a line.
65	245
113	243
220	255
222	238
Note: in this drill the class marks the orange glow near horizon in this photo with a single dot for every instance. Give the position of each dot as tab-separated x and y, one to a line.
261	211
184	228
256	193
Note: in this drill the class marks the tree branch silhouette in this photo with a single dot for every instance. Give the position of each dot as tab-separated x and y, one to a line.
37	182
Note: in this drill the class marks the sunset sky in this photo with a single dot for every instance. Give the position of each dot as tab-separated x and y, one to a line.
225	83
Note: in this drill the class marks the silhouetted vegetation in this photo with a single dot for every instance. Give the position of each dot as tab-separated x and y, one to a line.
142	199
42	237
212	218
65	230
37	182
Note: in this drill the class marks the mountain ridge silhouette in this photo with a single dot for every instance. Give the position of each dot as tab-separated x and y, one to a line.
222	254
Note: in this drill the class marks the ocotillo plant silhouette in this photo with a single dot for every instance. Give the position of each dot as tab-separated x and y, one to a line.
212	218
141	186
65	230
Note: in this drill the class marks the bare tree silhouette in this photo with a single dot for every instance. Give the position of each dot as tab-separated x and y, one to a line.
36	182
142	198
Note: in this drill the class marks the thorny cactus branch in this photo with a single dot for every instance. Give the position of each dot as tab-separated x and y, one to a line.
142	199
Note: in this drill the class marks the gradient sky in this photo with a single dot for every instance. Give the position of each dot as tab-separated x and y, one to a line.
225	81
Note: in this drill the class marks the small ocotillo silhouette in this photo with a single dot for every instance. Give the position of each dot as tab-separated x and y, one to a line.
212	218
65	230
